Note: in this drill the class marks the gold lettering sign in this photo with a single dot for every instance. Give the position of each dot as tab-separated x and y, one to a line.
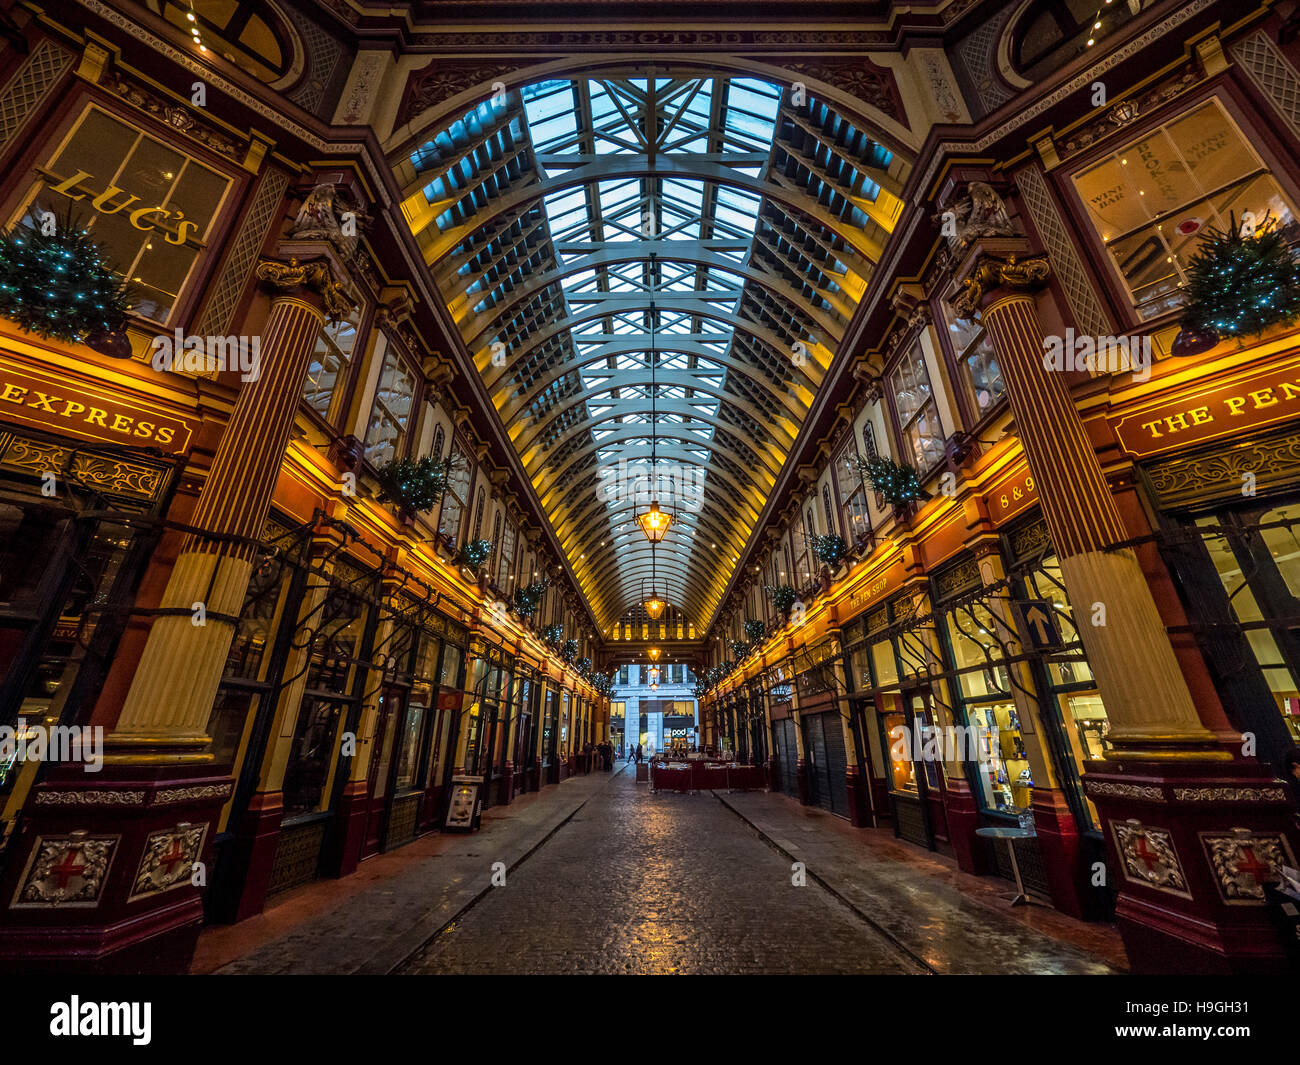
86	412
112	200
1195	416
1012	497
871	591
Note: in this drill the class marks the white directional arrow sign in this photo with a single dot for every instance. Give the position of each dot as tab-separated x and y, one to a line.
1039	625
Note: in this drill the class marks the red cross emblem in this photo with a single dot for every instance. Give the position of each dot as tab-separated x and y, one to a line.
68	867
1248	862
174	856
1146	854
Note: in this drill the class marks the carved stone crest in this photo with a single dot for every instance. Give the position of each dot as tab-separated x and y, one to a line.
66	870
1149	857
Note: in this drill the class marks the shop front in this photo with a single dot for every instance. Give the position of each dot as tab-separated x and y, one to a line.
785	743
78	523
1237	558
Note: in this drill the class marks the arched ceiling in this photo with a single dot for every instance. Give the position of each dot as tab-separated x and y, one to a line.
553	217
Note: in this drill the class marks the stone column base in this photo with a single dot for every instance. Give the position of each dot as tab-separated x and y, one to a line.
104	870
1186	845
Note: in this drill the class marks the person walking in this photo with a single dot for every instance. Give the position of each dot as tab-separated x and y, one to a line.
638	754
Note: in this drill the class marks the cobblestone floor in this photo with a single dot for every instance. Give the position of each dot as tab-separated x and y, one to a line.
637	883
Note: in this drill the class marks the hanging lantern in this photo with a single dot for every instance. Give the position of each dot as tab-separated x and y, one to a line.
654	523
654	606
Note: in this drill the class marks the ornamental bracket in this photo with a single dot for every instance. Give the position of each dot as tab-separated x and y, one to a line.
317	276
990	273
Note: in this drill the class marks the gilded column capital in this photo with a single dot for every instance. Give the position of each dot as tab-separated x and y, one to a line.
315	276
988	273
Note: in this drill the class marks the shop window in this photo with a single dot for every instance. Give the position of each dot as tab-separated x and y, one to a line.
311	756
408	751
1256	556
1079	708
918	414
453	502
329	365
977	362
391	412
506	559
150	205
1151	200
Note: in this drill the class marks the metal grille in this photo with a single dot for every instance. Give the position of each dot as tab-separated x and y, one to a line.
29	86
1029	857
239	264
401	822
297	857
1088	312
910	820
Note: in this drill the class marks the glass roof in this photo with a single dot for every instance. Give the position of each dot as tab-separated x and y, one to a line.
553	218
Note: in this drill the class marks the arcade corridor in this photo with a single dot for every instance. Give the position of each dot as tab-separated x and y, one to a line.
622	881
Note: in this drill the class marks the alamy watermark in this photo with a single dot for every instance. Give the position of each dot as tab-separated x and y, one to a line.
60	743
195	354
953	743
670	484
1098	354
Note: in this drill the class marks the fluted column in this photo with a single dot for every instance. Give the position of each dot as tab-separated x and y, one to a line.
1152	716
167	707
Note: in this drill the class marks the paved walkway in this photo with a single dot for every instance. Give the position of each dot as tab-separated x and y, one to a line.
603	877
372	921
952	922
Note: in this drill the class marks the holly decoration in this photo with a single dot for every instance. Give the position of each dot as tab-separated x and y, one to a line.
583	666
415	485
898	482
739	648
553	634
569	650
755	629
475	553
830	549
57	284
783	598
1240	283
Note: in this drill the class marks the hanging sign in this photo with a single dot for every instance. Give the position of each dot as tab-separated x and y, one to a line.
1038	625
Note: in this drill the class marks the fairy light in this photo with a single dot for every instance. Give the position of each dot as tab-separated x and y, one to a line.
195	35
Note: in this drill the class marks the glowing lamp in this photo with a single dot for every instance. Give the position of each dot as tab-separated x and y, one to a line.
654	523
654	606
654	654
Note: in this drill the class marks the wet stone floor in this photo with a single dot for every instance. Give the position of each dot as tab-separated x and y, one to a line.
641	883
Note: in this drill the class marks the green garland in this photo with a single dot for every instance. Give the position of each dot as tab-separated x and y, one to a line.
830	550
755	630
475	553
739	649
569	649
58	285
783	598
553	634
528	598
582	666
1240	285
898	482
414	484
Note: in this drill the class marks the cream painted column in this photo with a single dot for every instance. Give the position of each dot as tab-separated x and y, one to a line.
171	695
1152	715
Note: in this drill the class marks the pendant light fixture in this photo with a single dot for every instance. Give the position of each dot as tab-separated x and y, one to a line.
654	522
